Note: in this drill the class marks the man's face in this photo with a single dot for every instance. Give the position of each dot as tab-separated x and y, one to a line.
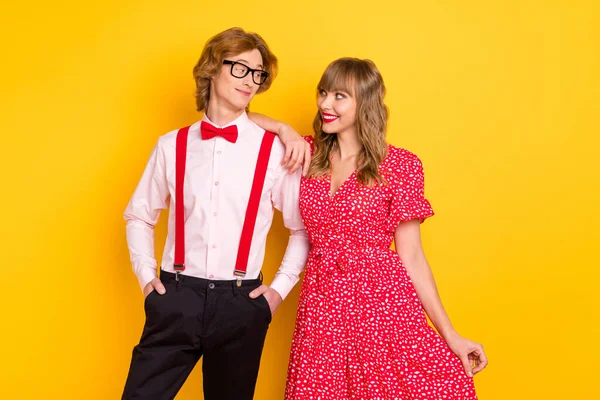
236	93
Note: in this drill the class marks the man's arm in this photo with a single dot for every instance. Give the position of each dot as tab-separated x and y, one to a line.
141	214
297	151
285	197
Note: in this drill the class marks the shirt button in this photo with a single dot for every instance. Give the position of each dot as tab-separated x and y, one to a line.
216	183
211	285
215	214
214	246
219	152
211	276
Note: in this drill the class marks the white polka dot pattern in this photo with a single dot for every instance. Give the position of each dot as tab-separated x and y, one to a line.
361	332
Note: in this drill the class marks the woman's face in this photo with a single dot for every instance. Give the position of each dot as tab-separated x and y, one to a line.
338	111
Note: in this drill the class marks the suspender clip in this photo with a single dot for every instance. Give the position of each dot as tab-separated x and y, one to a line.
178	268
240	274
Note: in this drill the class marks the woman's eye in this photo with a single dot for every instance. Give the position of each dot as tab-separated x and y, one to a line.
339	96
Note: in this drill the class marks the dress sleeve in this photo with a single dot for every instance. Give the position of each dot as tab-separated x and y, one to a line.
311	141
408	200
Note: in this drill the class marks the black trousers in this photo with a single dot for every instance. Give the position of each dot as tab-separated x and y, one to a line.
194	318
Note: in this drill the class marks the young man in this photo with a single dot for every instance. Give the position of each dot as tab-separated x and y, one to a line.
220	178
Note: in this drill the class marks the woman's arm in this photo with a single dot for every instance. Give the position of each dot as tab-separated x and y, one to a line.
297	150
408	245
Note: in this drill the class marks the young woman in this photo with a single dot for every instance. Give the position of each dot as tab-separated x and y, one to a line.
361	330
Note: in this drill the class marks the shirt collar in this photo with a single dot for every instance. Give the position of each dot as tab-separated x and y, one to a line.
240	121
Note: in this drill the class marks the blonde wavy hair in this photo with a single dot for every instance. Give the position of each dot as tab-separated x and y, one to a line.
362	80
229	43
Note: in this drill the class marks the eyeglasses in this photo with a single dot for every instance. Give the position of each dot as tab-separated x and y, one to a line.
240	70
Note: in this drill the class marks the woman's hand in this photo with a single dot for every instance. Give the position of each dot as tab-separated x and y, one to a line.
471	354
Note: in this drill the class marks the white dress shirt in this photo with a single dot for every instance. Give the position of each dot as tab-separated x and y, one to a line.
218	179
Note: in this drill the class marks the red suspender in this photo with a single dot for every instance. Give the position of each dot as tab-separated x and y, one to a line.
260	172
180	152
241	264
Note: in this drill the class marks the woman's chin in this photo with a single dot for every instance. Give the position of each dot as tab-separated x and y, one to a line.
328	130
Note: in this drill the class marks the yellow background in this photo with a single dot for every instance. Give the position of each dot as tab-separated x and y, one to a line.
500	99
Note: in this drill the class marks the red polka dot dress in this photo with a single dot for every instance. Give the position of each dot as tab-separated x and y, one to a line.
361	332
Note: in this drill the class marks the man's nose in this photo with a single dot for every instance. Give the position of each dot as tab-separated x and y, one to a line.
247	80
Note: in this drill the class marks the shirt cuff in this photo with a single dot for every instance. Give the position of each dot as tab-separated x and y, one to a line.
145	275
283	284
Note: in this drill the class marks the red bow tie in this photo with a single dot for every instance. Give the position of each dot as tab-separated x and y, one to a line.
209	131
